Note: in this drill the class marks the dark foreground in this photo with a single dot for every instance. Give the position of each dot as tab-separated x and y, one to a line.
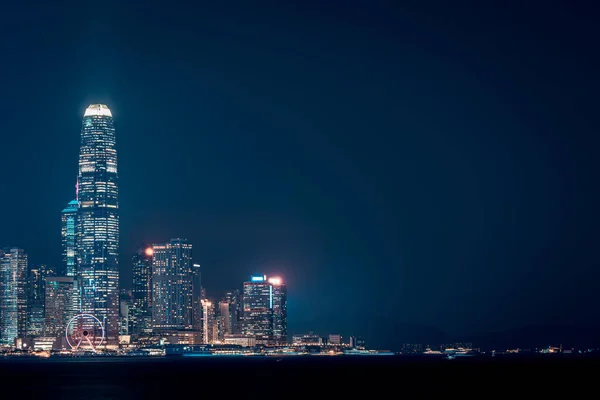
292	377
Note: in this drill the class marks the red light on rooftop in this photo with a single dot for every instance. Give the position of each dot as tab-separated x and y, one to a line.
149	251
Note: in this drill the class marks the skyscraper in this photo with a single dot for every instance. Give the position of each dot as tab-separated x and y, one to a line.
265	310
210	331
36	286
58	304
141	290
258	309
13	295
224	319
234	305
68	236
172	285
197	296
279	291
97	228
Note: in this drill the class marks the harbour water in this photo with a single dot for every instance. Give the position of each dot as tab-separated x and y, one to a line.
276	377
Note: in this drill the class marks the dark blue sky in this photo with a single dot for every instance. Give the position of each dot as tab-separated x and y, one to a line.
419	163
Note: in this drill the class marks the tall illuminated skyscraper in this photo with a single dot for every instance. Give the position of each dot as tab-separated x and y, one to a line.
97	241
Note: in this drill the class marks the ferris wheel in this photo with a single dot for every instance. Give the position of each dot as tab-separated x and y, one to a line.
84	332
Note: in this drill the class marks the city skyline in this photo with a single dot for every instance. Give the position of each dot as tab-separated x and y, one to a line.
439	160
79	304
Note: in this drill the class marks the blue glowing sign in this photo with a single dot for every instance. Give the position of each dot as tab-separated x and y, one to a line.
257	279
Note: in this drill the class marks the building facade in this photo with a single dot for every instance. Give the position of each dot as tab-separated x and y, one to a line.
58	305
236	311
265	310
127	313
68	235
141	310
224	319
279	291
97	224
36	292
258	309
197	296
13	295
210	330
172	286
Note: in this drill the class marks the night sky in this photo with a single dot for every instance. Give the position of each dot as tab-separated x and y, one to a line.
426	163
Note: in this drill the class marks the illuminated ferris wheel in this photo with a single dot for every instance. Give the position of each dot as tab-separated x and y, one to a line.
84	332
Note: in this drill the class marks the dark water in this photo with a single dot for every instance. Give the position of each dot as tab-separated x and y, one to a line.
244	378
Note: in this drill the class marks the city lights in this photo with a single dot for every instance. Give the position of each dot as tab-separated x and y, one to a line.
275	281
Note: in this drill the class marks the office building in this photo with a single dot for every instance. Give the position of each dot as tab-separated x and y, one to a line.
58	305
258	309
127	315
334	339
265	310
68	235
197	296
209	329
141	310
172	286
279	308
36	286
307	339
97	222
13	295
234	299
224	319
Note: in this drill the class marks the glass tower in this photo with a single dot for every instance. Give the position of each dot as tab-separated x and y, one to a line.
279	291
13	295
258	309
97	226
68	224
36	282
172	285
142	289
58	302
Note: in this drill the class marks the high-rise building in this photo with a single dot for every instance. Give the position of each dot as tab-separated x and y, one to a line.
172	286
36	286
58	304
236	311
141	310
224	319
13	295
127	313
265	310
279	293
197	296
210	330
97	222
68	235
258	309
